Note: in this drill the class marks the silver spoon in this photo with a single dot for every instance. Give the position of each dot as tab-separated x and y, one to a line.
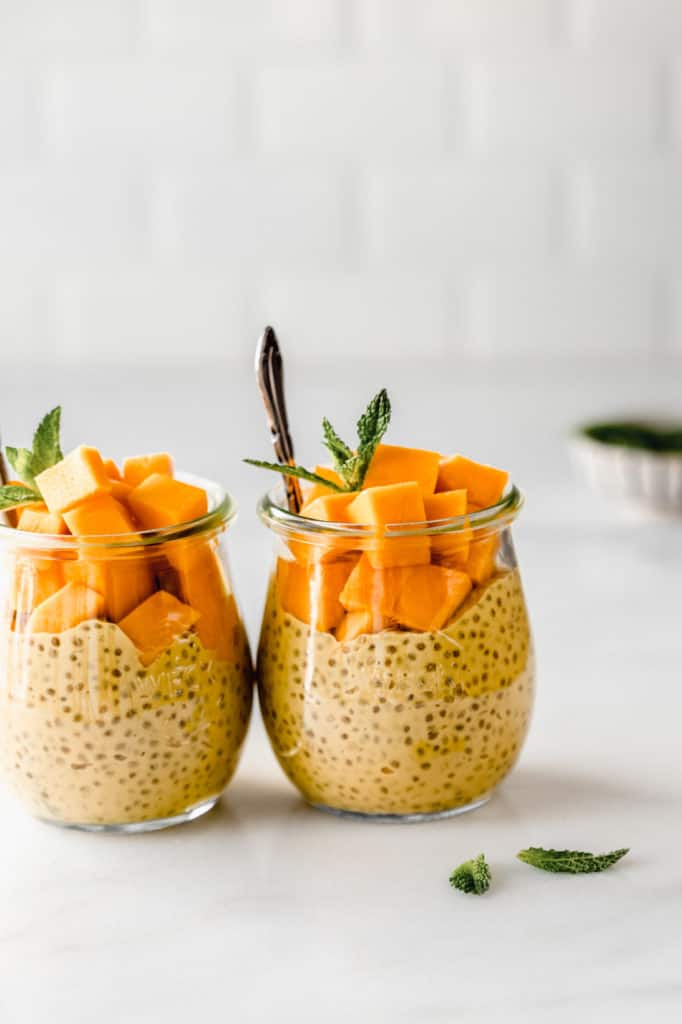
270	378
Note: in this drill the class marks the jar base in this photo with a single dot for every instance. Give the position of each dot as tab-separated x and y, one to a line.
131	827
402	819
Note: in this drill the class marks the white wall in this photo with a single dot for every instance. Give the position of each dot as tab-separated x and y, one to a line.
484	177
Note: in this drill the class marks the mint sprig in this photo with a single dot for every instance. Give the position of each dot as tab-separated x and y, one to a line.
574	862
351	465
473	876
298	471
28	463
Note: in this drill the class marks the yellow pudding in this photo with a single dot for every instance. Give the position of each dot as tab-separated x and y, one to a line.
399	722
89	734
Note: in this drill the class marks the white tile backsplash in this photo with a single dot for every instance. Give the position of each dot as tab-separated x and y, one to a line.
420	176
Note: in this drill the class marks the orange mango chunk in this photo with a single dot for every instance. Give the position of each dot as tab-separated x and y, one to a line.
123	581
111	469
484	484
154	624
392	504
32	582
429	595
447	505
204	587
311	593
328	508
319	490
162	501
392	464
100	516
79	476
72	604
120	490
355	624
371	590
139	467
482	561
36	519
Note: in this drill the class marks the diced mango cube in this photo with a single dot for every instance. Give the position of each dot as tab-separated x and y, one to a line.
37	519
429	595
419	597
72	604
319	490
120	490
355	624
329	508
123	578
393	464
452	547
79	476
100	516
154	624
33	580
311	593
371	590
482	561
204	586
139	467
391	504
162	501
111	469
484	484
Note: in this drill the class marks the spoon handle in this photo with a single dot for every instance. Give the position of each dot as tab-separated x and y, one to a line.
270	378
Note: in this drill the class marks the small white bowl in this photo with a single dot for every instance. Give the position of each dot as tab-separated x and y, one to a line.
645	480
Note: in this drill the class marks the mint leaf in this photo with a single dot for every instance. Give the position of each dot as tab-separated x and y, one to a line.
374	421
46	448
298	471
574	862
27	464
21	461
338	449
372	426
12	495
472	876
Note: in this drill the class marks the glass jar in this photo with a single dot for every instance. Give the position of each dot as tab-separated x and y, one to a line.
126	680
395	671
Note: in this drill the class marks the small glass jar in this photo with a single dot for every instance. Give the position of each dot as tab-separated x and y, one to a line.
126	680
395	671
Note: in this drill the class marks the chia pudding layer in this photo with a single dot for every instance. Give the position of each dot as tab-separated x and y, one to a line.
90	735
401	722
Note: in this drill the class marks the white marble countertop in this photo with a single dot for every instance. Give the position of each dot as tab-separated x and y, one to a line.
269	910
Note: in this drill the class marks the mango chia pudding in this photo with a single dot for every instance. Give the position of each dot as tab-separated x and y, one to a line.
126	679
395	664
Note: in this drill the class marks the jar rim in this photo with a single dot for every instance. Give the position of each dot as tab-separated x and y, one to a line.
273	512
222	511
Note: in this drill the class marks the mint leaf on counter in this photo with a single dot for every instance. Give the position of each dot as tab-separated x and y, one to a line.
12	495
574	862
472	876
